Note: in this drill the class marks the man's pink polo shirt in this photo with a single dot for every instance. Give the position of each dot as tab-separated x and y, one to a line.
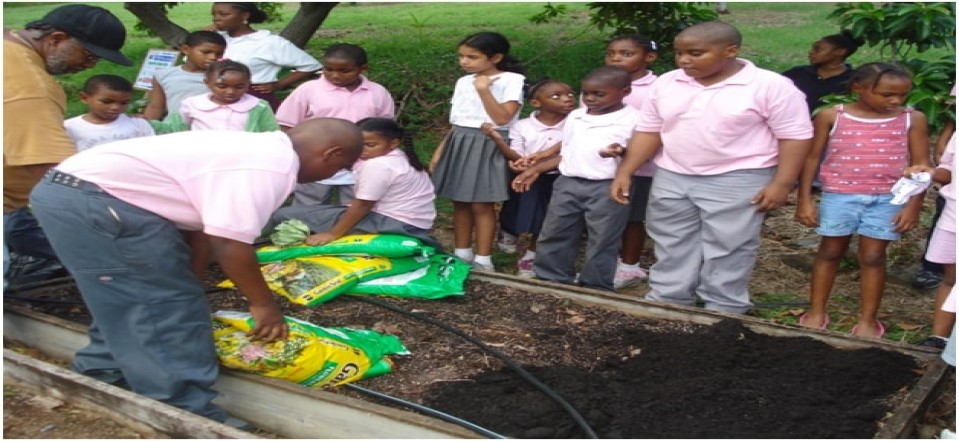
224	182
728	126
320	98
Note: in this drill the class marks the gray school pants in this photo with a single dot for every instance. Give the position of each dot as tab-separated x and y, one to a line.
151	321
314	193
577	204
322	218
707	236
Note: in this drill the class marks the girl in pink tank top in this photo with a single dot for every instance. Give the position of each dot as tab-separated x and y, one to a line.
867	146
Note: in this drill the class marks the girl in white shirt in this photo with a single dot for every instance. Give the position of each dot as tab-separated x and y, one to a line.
467	166
265	53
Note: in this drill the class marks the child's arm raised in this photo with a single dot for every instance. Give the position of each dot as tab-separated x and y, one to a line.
642	146
357	210
908	217
501	145
500	113
525	180
805	210
156	107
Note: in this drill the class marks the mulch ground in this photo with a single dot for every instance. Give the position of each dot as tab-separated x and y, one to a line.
627	377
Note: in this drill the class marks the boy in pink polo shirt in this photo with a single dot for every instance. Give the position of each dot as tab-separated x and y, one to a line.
342	92
579	194
729	141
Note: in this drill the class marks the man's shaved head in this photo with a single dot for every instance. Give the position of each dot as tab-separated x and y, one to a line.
325	146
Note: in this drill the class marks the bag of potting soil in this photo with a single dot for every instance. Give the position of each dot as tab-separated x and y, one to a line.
312	355
444	277
374	245
314	280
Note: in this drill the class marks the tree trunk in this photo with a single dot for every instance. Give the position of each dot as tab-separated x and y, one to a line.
306	21
154	18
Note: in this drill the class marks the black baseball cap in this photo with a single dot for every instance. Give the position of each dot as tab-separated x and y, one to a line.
97	29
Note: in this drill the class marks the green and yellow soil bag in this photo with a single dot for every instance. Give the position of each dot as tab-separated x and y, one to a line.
444	277
378	245
314	280
312	355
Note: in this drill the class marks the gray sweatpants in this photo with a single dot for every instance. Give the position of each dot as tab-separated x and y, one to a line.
577	204
322	217
707	236
315	193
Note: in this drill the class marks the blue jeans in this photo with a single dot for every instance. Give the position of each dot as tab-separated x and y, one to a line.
151	320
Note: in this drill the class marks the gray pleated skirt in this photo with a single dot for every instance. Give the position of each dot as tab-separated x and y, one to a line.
471	168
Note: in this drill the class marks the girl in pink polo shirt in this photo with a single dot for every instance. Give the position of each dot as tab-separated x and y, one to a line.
867	146
634	53
529	141
228	106
393	192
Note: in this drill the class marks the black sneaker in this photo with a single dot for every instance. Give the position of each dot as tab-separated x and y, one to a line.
926	279
935	342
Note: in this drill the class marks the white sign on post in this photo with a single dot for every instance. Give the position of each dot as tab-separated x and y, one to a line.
155	59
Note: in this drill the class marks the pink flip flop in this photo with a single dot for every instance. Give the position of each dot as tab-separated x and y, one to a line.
881	328
825	321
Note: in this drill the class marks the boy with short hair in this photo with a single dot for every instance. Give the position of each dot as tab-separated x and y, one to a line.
580	198
729	141
341	92
107	98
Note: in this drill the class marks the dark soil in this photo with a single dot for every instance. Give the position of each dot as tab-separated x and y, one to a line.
628	377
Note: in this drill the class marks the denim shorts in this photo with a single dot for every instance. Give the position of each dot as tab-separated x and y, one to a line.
869	215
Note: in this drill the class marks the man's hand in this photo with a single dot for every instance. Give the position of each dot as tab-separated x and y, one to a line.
268	322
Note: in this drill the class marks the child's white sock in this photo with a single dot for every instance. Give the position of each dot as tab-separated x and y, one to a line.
483	260
464	253
530	255
626	265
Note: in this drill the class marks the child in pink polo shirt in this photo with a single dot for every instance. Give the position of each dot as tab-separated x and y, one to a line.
868	144
634	53
729	140
528	139
579	201
228	106
393	192
342	92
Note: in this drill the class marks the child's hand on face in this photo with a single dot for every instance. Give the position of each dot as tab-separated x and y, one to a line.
612	151
320	239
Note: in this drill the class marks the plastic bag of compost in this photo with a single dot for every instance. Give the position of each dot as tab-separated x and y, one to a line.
312	355
444	277
375	245
314	280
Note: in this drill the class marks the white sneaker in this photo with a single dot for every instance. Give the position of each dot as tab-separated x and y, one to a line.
628	276
506	243
476	266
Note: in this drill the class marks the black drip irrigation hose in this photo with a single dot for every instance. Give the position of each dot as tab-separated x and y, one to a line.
427	410
572	412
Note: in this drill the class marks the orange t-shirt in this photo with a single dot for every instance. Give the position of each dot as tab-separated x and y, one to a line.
33	133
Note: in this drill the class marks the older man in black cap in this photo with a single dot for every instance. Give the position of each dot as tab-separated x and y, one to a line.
67	40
